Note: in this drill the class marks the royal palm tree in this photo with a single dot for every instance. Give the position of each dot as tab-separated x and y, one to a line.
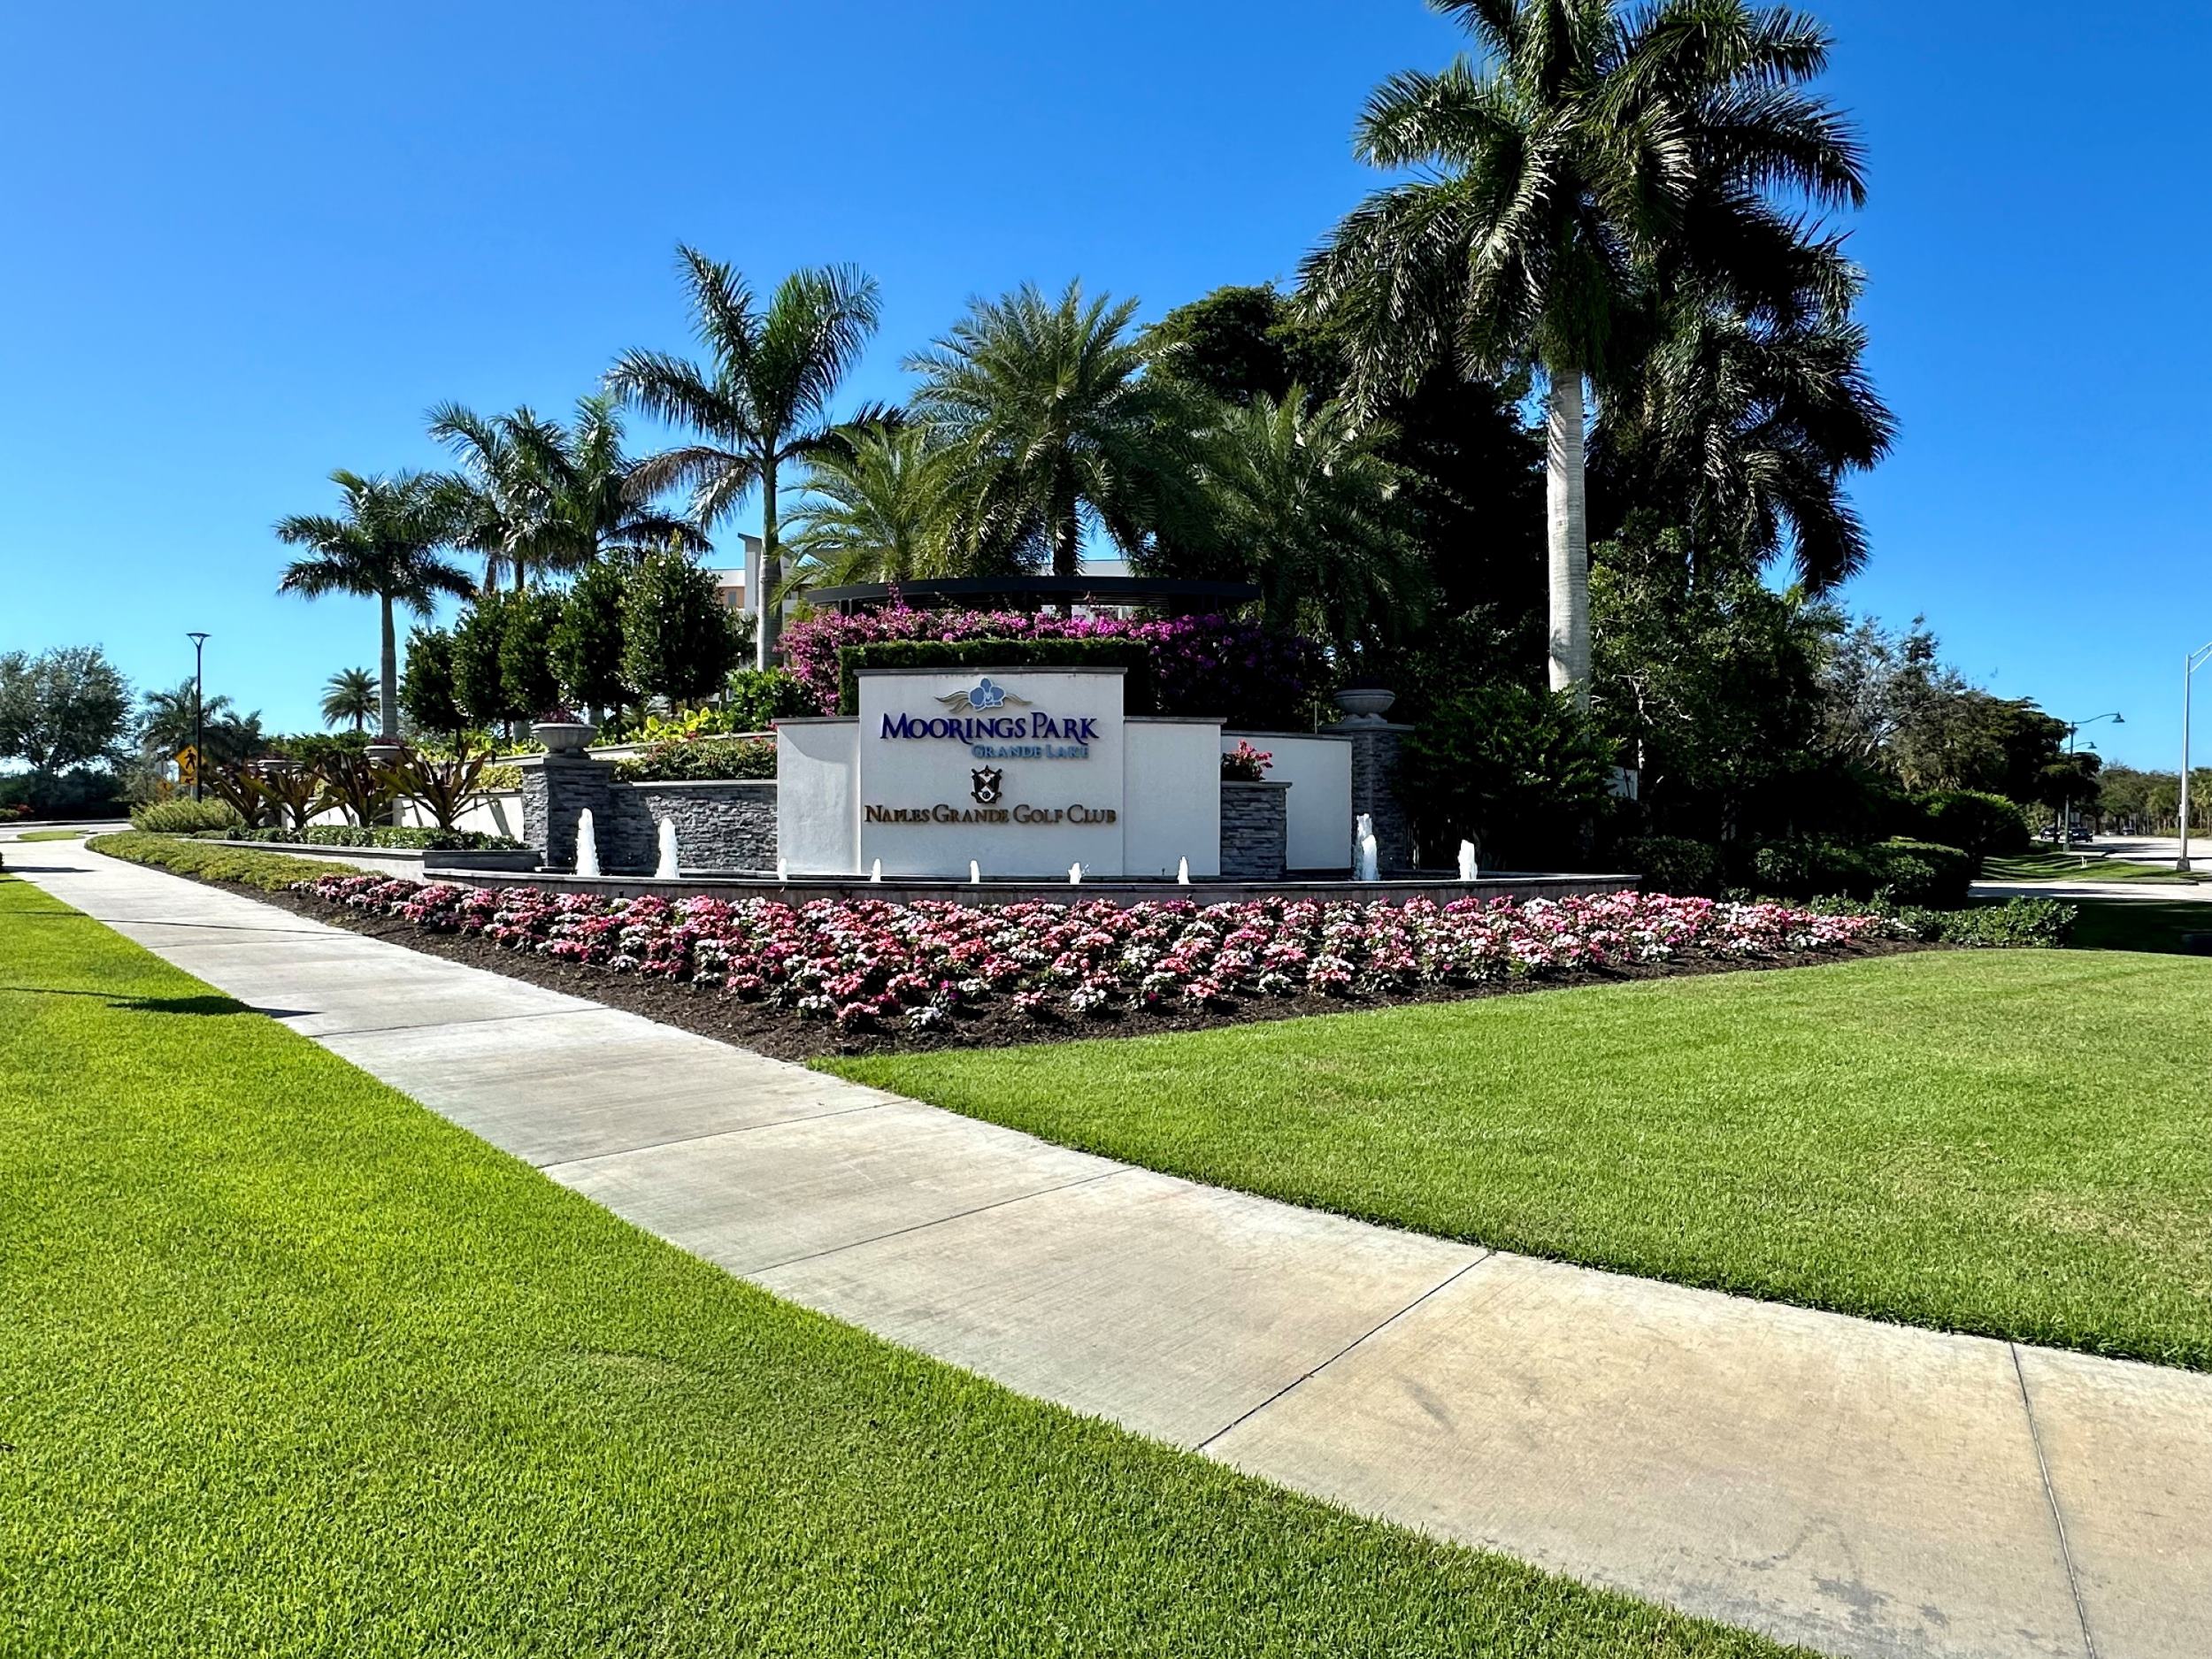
349	694
874	509
1054	428
1598	157
1304	498
383	546
759	402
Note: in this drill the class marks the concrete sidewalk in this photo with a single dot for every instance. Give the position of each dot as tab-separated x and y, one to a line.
1861	1488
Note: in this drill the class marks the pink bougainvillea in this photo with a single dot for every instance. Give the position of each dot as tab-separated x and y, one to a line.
864	962
1201	665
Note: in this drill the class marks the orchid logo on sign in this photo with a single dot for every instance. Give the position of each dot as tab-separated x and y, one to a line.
984	697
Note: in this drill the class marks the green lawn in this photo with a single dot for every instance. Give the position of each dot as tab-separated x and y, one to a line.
50	835
2058	866
295	1367
2012	1142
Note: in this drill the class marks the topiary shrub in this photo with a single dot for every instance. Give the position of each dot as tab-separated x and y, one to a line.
1673	864
185	817
1519	771
758	698
1981	824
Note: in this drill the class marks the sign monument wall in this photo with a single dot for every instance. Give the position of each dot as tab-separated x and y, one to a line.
1022	770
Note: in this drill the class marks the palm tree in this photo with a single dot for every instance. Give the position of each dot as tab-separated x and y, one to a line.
1304	498
1599	156
349	694
382	546
760	401
1054	428
1740	427
164	718
874	509
532	494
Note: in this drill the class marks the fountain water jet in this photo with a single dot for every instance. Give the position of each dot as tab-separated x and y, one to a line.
586	844
1469	869
1366	866
667	870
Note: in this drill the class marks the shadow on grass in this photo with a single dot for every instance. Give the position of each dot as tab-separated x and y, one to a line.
2164	925
206	1004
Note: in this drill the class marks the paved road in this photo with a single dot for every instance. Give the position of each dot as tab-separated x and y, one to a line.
1862	1488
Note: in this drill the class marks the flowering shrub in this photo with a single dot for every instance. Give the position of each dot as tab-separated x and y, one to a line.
1246	764
1201	665
864	962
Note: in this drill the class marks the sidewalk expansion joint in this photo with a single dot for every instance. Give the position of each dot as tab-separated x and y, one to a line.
2050	1497
448	1024
1450	1279
558	1164
924	1227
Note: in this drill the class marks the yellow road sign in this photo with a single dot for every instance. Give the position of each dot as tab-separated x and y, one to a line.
188	763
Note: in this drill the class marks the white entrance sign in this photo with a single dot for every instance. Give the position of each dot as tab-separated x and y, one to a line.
1021	771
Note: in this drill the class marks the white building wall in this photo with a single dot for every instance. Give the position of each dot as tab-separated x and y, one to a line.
817	810
1172	785
1319	771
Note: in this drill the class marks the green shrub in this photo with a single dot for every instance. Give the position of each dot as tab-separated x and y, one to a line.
701	760
1139	694
2040	924
1983	825
1521	772
758	698
407	838
1672	864
184	816
271	872
1907	872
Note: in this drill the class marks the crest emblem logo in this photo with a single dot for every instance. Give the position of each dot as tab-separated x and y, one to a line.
983	698
987	783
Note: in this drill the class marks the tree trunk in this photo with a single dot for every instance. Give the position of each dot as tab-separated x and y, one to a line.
769	629
388	689
1067	546
1567	538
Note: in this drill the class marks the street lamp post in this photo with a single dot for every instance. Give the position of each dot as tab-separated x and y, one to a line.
199	736
2066	808
2195	660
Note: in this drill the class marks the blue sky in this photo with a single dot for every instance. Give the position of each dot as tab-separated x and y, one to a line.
244	245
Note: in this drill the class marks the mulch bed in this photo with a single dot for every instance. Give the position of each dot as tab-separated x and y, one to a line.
710	1012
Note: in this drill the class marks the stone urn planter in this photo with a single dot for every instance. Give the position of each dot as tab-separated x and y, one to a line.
385	751
563	737
1365	703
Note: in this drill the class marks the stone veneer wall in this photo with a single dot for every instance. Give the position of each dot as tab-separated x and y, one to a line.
1254	830
1376	746
721	825
725	825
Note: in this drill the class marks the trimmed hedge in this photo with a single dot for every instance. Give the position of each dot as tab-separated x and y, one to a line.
701	760
1986	826
271	872
1140	694
2017	924
1673	864
408	838
184	816
1906	872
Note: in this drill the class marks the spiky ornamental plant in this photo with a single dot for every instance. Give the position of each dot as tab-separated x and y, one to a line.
383	546
1599	156
759	402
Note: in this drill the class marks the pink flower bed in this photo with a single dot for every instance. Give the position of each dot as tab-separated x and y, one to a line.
868	963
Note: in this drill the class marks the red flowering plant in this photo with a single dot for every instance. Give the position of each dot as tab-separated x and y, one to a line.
869	962
1244	764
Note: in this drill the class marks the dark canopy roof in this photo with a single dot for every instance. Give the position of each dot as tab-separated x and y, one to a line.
1039	590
